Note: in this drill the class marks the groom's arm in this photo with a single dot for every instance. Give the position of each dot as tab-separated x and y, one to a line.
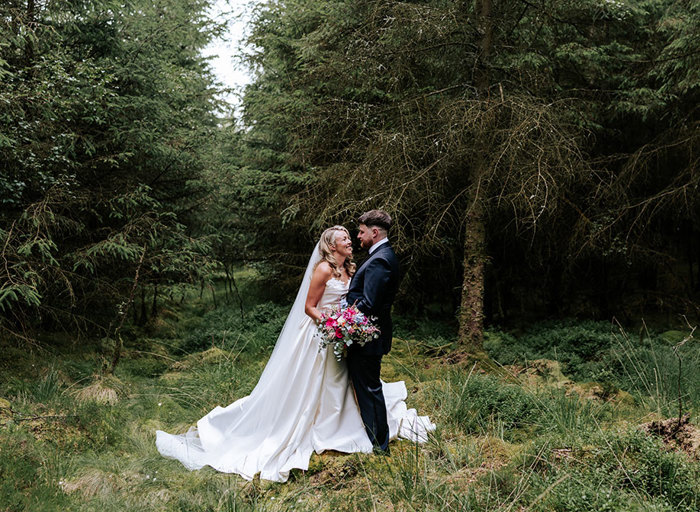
376	281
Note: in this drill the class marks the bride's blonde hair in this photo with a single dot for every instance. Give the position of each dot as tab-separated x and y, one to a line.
326	243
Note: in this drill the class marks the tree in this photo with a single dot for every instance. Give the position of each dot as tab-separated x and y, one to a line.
406	124
105	112
468	120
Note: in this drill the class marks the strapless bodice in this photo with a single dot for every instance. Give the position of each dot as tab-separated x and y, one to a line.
334	292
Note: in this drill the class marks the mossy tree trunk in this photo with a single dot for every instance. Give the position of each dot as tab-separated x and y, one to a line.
471	311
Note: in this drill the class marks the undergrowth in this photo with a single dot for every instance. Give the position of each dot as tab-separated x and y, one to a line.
644	365
507	439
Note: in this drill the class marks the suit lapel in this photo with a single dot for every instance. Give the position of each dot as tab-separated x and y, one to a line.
371	256
363	264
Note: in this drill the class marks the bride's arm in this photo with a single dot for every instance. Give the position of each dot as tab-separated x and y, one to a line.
319	279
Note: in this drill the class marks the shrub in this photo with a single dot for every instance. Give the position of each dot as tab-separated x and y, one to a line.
593	351
610	471
422	328
24	463
476	403
224	327
144	366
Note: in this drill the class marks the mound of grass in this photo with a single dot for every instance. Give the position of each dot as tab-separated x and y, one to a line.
613	470
646	366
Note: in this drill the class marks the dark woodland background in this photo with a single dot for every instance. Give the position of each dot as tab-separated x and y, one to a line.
540	158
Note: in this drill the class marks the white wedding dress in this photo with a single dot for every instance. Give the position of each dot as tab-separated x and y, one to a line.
302	403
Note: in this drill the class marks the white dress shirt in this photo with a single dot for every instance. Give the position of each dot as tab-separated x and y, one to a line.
377	244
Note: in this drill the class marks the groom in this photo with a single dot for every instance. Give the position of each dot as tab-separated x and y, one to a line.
372	290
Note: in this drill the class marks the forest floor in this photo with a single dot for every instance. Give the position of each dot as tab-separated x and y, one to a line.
564	416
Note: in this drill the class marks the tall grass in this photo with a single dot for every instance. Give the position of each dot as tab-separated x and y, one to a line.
48	387
645	366
486	405
649	369
499	446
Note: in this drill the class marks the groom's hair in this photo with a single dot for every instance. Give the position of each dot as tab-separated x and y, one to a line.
376	218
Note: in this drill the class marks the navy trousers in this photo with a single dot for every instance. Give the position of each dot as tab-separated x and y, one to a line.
364	372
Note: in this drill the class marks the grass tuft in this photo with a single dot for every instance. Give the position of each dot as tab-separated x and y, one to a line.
103	390
94	482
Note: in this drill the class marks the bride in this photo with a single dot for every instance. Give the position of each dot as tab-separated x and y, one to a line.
304	400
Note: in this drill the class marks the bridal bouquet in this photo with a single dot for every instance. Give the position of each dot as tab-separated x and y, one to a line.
342	327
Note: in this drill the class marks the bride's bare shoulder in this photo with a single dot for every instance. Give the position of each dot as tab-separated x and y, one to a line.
323	270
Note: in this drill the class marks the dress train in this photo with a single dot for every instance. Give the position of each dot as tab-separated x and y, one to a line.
302	403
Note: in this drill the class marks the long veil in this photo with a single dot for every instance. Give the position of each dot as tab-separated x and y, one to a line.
199	446
284	351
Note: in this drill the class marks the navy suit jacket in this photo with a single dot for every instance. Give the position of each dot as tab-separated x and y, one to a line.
372	290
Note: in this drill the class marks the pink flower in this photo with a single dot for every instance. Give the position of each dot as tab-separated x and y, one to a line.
331	322
338	333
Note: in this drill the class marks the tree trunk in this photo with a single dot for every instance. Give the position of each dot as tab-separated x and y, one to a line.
144	313
29	42
154	305
227	287
134	311
118	343
485	26
471	311
232	281
213	295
